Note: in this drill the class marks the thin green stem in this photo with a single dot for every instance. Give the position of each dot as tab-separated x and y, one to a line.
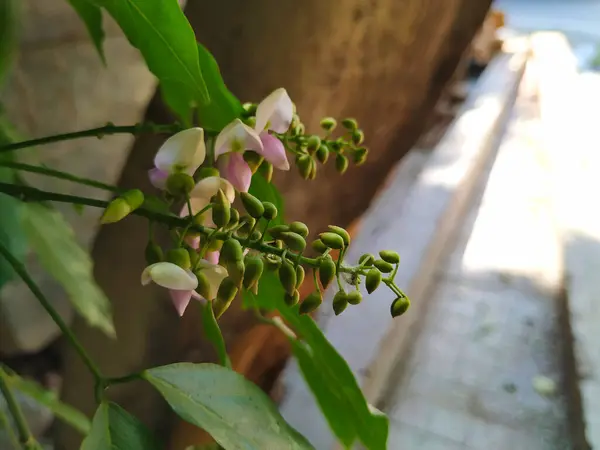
125	379
19	268
58	174
25	437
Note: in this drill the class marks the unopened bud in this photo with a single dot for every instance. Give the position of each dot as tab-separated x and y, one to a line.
287	276
194	256
313	143
304	165
179	184
399	306
372	280
340	302
214	245
253	159
350	124
383	266
225	295
134	198
293	240
254	270
270	211
203	285
341	163
292	299
153	253
300	228
326	271
256	235
221	210
341	232
250	108
234	217
206	172
332	240
313	170
354	297
115	211
277	230
328	123
358	137
300	274
360	155
266	169
390	256
319	246
231	251
310	303
272	262
179	257
322	154
236	271
366	260
253	206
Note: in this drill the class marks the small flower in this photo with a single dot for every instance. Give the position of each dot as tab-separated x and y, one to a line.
180	282
183	152
214	274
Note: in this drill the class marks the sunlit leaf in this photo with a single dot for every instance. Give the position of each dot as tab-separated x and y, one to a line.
234	411
52	239
91	15
113	428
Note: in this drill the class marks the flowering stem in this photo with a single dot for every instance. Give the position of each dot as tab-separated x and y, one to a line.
25	437
19	268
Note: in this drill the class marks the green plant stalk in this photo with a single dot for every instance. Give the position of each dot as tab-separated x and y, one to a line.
19	268
25	437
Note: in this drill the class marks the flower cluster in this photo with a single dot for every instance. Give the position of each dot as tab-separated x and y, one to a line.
217	251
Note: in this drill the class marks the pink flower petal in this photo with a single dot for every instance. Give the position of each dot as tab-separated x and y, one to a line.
213	257
274	151
237	171
180	300
193	241
158	178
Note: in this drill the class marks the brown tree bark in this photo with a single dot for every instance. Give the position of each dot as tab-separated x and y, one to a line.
384	62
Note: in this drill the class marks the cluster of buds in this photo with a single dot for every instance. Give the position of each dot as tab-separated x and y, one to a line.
217	250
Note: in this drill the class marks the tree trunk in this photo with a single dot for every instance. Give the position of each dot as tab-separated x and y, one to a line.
383	62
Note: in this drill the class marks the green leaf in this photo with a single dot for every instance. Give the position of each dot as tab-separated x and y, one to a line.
9	21
52	239
50	400
213	333
91	15
223	106
268	192
113	428
162	33
236	413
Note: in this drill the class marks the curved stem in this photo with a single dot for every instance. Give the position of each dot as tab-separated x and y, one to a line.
19	268
58	174
25	437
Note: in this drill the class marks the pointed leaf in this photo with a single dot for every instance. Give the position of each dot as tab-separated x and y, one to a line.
91	15
236	413
113	428
52	239
212	331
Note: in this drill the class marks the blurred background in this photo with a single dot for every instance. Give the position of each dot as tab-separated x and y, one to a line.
481	121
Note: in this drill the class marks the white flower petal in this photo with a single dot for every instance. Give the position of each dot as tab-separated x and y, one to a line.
206	187
170	276
237	136
184	151
275	112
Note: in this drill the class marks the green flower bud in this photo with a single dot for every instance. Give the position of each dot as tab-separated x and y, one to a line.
350	124
266	169
225	295
310	303
234	217
250	107
253	159
300	274
214	246
179	184
134	198
272	262
278	229
358	137
360	155
390	256
153	253
253	206
313	143
180	257
341	232
327	271
270	211
248	224
292	299
203	285
366	260
206	172
293	240
236	271
194	256
319	246
322	154
340	302
383	266
221	210
254	288
328	123
299	129
287	276
300	228
256	235
313	170
341	163
354	297
304	165
115	211
231	251
399	306
254	270
332	240
372	280
250	121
